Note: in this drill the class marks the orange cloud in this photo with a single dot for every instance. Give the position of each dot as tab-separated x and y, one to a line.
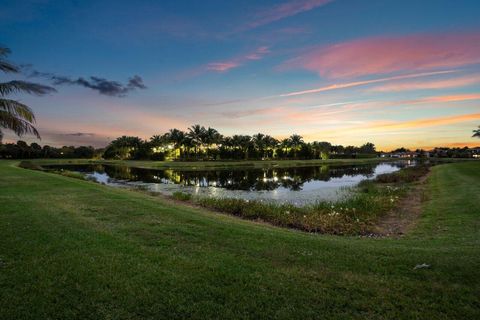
422	85
457	145
429	122
383	55
444	99
380	130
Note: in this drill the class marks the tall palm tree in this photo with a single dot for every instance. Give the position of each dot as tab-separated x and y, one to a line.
196	133
270	145
245	143
14	115
295	142
258	141
242	142
212	138
476	133
284	145
177	137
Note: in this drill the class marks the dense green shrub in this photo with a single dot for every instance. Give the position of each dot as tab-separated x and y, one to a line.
405	175
352	215
182	196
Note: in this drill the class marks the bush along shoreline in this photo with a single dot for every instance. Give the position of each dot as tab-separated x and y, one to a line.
354	215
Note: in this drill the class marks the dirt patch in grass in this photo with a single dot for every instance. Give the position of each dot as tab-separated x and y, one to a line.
398	221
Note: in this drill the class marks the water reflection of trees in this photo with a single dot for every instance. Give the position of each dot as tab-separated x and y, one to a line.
252	179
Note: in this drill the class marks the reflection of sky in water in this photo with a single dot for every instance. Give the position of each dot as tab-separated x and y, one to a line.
310	189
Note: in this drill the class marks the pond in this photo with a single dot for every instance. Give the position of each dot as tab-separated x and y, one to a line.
296	185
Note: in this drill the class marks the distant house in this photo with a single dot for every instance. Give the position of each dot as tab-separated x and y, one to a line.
475	152
402	155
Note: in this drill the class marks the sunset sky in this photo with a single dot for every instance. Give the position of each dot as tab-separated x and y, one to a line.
395	73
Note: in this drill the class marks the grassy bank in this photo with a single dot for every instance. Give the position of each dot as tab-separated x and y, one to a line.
355	214
79	250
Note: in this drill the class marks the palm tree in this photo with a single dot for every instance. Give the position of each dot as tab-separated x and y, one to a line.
295	142
157	140
242	142
284	145
258	141
270	144
14	115
197	135
211	139
177	137
245	143
476	133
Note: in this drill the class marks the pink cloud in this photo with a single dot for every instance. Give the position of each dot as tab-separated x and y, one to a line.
224	66
221	66
284	10
384	55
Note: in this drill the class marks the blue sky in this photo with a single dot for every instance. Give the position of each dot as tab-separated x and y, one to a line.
396	73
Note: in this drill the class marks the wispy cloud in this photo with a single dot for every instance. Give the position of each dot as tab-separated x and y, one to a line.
427	85
391	134
445	98
384	55
427	122
362	83
282	11
336	86
223	66
79	134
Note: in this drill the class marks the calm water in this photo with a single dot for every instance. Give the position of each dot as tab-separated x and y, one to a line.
299	185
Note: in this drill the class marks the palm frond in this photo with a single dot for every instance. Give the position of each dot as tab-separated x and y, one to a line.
17	109
6	66
17	125
24	86
476	133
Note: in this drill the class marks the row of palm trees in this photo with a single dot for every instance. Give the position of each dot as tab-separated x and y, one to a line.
206	143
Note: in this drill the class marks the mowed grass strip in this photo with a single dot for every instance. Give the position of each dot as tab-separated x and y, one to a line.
216	164
73	249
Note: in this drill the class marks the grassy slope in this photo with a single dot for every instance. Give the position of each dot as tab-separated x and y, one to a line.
75	249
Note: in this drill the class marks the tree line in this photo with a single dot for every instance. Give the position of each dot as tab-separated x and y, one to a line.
22	150
201	143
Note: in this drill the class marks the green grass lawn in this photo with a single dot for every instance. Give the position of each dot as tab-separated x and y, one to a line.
73	249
